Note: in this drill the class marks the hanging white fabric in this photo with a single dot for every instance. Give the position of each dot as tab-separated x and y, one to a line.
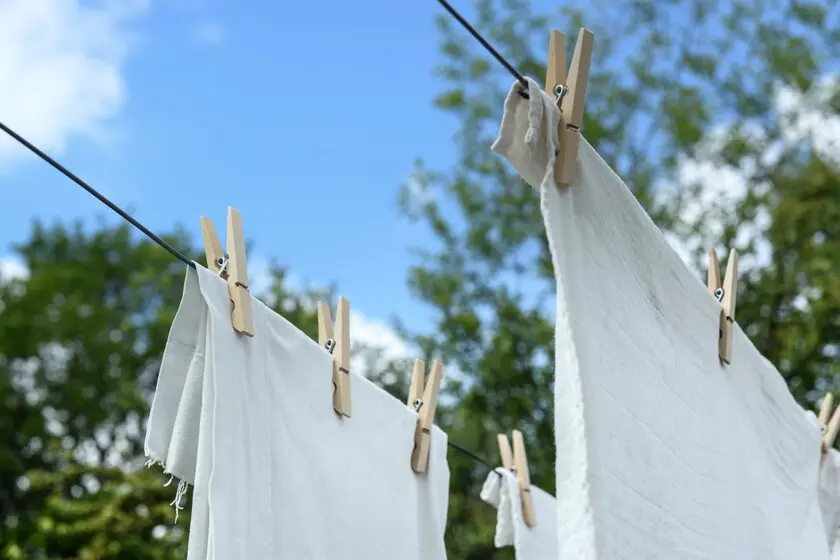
662	452
277	474
501	490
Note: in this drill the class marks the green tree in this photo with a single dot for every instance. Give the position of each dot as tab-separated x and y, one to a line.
675	85
81	338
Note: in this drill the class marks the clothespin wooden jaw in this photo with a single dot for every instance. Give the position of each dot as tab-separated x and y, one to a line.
830	426
337	343
232	267
423	399
726	294
518	462
570	92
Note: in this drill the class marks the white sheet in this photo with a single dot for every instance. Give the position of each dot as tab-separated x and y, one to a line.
539	542
662	451
278	475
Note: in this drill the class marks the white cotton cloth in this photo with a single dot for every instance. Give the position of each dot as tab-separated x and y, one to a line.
277	474
174	419
663	452
539	542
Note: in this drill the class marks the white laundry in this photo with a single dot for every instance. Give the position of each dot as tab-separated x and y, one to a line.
663	453
276	473
172	432
539	542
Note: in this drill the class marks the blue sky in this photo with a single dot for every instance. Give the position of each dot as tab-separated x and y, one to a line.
306	116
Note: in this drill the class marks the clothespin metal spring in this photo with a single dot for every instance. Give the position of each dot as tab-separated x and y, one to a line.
560	91
221	264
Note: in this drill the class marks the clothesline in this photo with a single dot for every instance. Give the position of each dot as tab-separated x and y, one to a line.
102	198
501	60
183	258
175	252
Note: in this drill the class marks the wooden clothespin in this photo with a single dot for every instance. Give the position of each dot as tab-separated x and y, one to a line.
423	399
337	342
231	266
517	461
830	427
725	293
570	92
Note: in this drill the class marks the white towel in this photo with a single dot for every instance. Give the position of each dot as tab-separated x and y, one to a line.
277	474
539	542
662	451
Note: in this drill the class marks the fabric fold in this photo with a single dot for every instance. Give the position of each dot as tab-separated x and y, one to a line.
172	432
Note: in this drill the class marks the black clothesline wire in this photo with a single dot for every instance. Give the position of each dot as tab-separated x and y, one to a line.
183	258
102	198
501	60
175	252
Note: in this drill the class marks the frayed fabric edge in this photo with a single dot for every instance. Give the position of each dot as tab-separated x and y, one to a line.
180	491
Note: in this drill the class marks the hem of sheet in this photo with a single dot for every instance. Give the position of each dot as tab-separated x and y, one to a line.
173	413
576	534
169	387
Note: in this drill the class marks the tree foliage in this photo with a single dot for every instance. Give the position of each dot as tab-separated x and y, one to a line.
81	338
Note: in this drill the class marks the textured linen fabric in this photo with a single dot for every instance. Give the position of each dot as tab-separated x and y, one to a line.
277	474
662	451
539	542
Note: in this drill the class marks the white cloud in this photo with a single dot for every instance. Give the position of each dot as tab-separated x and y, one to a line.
809	116
12	268
61	68
804	116
373	333
375	336
208	33
374	344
